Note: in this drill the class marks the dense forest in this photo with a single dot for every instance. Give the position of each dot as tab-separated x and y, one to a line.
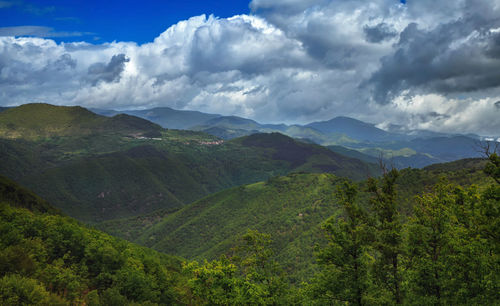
446	251
119	211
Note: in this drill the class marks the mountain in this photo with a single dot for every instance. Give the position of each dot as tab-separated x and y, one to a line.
354	154
50	259
173	119
148	177
354	129
231	122
399	146
164	116
308	157
291	208
40	120
97	168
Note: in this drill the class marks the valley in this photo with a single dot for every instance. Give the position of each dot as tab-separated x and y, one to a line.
265	208
250	152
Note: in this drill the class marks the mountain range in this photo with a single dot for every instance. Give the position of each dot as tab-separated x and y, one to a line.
400	147
99	168
227	221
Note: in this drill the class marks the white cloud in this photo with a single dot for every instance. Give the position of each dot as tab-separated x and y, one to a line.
292	61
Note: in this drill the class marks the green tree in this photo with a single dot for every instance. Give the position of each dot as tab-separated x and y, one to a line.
345	261
263	280
18	290
388	230
429	247
249	277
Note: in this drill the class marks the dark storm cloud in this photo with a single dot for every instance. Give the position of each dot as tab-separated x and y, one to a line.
379	32
110	72
459	56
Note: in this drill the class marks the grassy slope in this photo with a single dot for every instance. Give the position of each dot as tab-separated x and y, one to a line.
290	208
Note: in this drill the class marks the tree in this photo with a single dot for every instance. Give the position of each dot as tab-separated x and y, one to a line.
345	261
249	277
429	245
388	230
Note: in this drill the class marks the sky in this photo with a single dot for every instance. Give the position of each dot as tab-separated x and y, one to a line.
420	64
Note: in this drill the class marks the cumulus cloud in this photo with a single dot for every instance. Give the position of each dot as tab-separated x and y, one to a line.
291	61
379	32
110	72
460	56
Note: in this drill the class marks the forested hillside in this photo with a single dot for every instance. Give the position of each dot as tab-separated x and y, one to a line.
97	168
290	208
442	248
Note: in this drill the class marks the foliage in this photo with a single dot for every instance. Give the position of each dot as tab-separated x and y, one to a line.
345	261
250	277
446	254
52	260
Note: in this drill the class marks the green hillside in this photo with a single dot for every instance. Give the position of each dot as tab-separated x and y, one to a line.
290	208
50	259
17	196
97	168
309	157
35	121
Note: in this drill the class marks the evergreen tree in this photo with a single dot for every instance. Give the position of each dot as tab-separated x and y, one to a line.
429	246
346	260
388	230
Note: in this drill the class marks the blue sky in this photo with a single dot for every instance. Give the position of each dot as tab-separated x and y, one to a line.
109	20
422	64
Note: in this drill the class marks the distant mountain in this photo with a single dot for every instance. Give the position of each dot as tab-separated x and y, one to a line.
354	129
354	154
40	120
98	168
165	116
173	119
400	147
3	108
309	157
227	133
230	122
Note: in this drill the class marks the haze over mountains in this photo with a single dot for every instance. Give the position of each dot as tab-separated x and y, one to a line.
402	148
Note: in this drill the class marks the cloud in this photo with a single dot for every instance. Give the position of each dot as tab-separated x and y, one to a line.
379	32
290	61
110	72
38	31
455	57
